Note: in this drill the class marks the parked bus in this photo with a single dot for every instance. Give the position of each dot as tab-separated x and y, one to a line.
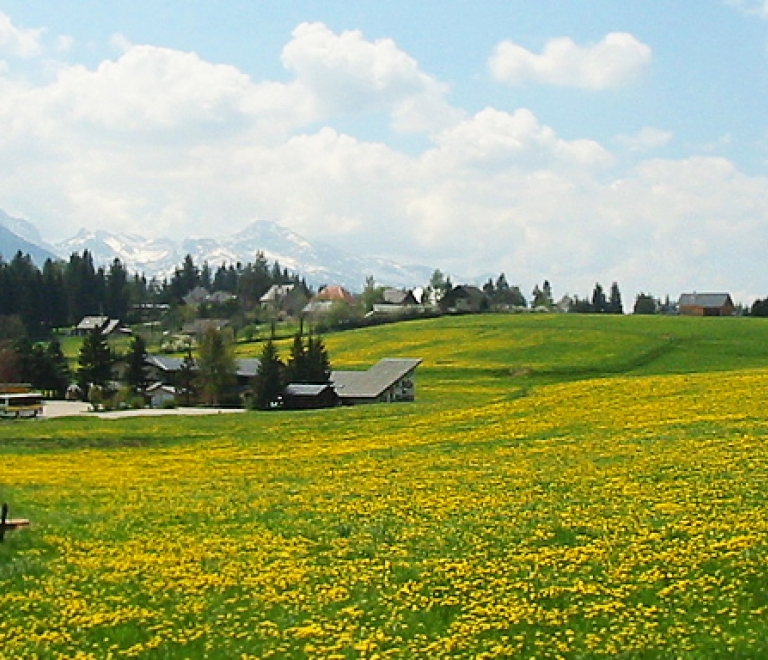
27	404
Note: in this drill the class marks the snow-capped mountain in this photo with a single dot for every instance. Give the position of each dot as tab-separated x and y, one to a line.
317	262
19	235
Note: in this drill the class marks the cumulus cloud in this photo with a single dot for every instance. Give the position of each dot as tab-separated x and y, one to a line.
615	60
497	139
754	7
18	41
348	74
164	143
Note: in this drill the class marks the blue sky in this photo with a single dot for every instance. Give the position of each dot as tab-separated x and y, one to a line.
575	142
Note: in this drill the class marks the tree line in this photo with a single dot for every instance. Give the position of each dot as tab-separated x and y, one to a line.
33	300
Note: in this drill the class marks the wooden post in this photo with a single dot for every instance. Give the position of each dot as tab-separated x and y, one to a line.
7	523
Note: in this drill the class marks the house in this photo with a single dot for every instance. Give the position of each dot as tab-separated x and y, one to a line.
101	324
395	301
275	294
325	300
160	395
287	298
335	293
389	380
706	304
163	368
465	298
300	396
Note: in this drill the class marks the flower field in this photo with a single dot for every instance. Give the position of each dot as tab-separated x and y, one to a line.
502	515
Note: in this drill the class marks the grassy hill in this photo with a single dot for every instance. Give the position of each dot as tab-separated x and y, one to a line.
564	486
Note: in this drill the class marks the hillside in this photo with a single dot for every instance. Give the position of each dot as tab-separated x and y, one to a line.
563	486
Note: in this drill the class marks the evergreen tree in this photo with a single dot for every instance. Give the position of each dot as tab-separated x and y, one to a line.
216	365
269	383
57	374
117	302
614	300
94	362
599	303
318	361
297	369
136	371
645	304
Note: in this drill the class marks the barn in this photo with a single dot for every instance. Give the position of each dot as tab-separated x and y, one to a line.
706	304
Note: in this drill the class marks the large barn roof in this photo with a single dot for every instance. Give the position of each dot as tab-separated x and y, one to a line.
704	299
371	383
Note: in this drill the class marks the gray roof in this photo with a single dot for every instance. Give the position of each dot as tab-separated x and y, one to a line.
305	389
705	300
92	322
164	362
248	367
372	383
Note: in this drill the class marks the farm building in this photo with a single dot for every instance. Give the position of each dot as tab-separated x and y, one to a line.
465	298
300	396
101	324
706	304
389	380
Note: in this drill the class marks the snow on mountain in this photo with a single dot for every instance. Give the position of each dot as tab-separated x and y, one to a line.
19	235
317	262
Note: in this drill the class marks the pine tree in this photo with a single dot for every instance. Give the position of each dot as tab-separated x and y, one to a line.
318	361
615	305
136	371
57	374
298	365
599	303
95	361
269	383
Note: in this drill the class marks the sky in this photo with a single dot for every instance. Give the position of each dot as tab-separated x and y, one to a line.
577	143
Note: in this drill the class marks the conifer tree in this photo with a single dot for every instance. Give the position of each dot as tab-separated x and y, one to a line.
298	364
269	383
136	371
318	361
95	361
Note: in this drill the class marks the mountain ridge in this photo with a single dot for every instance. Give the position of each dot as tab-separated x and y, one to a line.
317	262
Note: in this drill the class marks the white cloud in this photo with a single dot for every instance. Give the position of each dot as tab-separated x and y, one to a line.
753	7
615	60
496	139
647	139
18	41
347	74
164	143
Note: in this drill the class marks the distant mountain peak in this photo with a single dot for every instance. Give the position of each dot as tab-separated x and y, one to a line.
317	262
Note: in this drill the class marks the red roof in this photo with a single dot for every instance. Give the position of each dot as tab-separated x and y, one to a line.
335	292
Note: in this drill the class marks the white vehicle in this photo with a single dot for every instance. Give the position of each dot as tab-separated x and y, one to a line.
27	404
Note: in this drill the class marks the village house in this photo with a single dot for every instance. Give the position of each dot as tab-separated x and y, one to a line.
465	298
289	299
326	298
706	304
396	301
101	324
301	396
389	380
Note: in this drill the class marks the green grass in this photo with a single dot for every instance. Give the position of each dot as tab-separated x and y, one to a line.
564	486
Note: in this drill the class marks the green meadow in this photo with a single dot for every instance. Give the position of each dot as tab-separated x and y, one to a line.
563	487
